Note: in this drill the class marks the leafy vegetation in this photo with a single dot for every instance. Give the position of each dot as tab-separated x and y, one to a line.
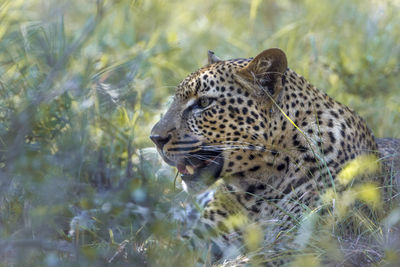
82	83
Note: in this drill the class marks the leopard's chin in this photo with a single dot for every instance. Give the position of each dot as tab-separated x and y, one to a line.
203	167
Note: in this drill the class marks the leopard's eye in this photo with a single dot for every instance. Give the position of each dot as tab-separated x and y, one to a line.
204	102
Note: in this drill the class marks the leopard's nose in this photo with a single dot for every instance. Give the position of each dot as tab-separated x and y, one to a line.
160	141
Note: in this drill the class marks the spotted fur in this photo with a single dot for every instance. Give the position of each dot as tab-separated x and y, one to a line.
281	141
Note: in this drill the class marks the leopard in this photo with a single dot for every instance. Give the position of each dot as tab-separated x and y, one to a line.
255	141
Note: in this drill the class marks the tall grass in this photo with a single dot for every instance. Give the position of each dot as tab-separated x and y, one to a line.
82	83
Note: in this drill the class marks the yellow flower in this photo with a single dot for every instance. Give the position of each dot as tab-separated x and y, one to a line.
237	220
369	193
328	196
253	237
362	165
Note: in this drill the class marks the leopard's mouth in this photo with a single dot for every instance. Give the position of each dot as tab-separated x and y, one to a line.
202	166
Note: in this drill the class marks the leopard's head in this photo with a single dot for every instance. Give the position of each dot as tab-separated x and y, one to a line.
217	124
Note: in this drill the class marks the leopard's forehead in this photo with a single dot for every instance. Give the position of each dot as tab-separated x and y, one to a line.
216	75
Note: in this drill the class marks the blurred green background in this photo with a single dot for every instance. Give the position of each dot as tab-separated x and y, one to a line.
82	83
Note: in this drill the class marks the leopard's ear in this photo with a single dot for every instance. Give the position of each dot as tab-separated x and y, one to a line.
265	70
212	58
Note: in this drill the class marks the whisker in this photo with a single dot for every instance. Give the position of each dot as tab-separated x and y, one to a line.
235	147
204	158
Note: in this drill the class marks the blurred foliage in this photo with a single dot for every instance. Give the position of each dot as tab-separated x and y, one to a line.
82	83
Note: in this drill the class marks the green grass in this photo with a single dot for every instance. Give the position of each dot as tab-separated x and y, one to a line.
82	83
